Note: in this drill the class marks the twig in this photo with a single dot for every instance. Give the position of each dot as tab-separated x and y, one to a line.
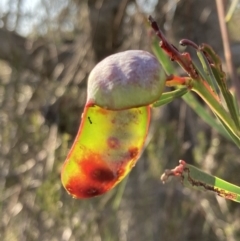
183	59
226	46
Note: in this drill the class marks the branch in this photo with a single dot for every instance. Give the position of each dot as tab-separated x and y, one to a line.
182	58
38	56
226	47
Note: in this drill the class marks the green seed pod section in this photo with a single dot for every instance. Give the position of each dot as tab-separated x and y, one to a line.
106	148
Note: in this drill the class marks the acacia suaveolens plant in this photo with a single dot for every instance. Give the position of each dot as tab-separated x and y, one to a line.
121	90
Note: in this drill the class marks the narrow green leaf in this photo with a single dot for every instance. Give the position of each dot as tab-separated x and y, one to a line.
234	138
236	105
162	58
190	99
119	195
209	77
193	177
199	179
231	10
228	98
170	96
208	97
220	78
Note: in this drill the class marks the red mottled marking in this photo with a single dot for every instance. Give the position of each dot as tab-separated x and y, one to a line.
133	152
93	177
113	121
113	142
84	189
102	175
97	170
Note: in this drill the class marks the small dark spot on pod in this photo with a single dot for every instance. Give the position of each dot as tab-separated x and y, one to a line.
113	142
133	152
89	119
102	175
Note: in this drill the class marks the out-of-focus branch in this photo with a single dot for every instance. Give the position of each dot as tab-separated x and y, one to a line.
118	19
231	10
105	19
226	46
38	57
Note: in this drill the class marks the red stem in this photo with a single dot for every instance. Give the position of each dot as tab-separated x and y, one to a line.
183	59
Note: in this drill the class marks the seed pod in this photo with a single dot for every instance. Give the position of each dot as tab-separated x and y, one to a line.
114	123
106	148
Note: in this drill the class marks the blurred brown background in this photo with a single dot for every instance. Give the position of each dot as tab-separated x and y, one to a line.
47	49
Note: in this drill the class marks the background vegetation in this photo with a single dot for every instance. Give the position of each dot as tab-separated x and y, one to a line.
46	54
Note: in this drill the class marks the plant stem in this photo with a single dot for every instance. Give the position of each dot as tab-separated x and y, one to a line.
195	81
211	101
